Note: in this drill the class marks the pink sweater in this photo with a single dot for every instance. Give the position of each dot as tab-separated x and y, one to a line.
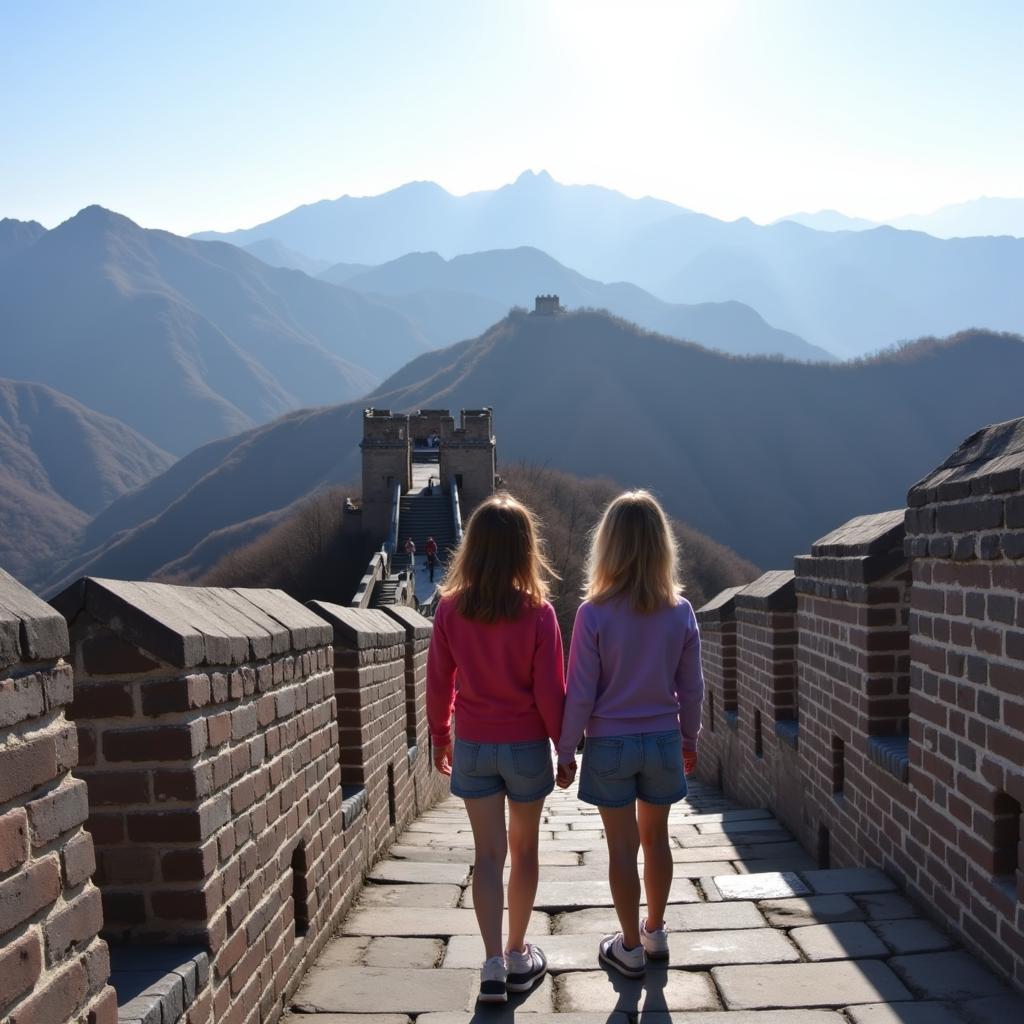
504	680
632	673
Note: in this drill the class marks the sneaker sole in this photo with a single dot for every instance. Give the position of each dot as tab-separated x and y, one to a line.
525	986
657	956
492	997
629	972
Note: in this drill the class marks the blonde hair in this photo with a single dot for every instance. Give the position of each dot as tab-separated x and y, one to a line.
633	554
498	563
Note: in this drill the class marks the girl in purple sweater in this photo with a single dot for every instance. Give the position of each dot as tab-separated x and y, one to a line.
635	687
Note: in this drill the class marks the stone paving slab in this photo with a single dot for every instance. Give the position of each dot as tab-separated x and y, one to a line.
387	951
760	886
555	896
434	923
564	952
838	984
744	1017
426	895
793	913
994	1010
734	946
600	991
413	871
906	1013
346	1018
947	976
384	990
506	1015
680	917
913	935
850	881
431	854
848	941
796	862
738	828
886	906
745	839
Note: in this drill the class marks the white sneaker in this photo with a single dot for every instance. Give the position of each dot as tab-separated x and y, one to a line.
493	981
630	962
655	943
526	968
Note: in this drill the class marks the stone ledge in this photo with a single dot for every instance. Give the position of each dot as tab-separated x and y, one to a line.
417	626
721	608
360	628
772	592
352	805
30	630
156	984
891	753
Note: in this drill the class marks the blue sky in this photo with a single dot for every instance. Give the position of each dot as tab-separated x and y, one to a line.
220	114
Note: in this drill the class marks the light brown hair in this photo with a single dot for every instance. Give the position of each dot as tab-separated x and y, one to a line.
499	563
633	554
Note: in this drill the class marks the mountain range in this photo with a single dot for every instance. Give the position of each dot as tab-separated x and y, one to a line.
186	341
60	464
984	216
847	292
762	455
459	298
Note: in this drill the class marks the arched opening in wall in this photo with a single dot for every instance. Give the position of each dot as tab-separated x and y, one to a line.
838	766
711	712
823	851
300	888
758	737
1007	839
392	809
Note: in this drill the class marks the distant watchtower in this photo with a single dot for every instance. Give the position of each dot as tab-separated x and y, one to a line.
547	305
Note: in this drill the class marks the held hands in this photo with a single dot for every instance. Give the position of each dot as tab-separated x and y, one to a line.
689	761
443	759
566	774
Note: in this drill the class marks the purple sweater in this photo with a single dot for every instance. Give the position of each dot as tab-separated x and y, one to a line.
632	673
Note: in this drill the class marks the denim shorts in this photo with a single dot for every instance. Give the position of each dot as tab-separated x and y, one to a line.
522	770
645	766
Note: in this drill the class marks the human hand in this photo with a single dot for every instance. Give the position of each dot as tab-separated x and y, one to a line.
443	759
566	774
689	761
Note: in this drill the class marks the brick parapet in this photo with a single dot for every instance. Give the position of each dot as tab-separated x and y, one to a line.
53	966
910	683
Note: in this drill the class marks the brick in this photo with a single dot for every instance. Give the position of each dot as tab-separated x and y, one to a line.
21	699
107	654
123	908
13	840
58	812
103	700
104	1009
128	865
57	1001
74	927
169	695
78	858
28	892
166	743
25	765
117	788
20	965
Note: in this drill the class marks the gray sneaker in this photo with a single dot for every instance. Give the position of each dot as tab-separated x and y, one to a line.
525	969
655	943
630	962
493	981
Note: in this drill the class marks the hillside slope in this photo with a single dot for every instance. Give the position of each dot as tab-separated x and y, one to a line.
762	455
60	463
186	341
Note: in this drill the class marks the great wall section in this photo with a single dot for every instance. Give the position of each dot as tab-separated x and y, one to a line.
219	802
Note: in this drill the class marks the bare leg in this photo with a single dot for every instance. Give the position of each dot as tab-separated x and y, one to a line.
487	818
652	820
622	836
523	830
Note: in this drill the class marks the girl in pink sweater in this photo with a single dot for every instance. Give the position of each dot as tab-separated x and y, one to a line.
635	687
496	660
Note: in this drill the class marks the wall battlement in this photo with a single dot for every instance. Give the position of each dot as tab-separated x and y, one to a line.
875	696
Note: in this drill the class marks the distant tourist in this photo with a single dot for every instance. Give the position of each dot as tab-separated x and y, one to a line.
431	550
433	441
635	687
496	660
410	549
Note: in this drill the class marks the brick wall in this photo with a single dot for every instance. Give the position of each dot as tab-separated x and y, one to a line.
909	748
53	968
965	533
207	726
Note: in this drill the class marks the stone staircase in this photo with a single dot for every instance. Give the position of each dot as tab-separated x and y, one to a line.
422	516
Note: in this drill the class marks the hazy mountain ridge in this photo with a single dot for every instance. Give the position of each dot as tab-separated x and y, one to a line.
848	292
475	290
187	341
16	235
762	455
60	463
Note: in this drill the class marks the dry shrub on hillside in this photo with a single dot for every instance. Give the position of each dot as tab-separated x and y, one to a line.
569	508
309	555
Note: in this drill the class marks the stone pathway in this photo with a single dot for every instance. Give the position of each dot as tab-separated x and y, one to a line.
758	935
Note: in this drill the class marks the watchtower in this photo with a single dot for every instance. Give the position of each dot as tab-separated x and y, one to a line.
468	457
387	462
546	305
